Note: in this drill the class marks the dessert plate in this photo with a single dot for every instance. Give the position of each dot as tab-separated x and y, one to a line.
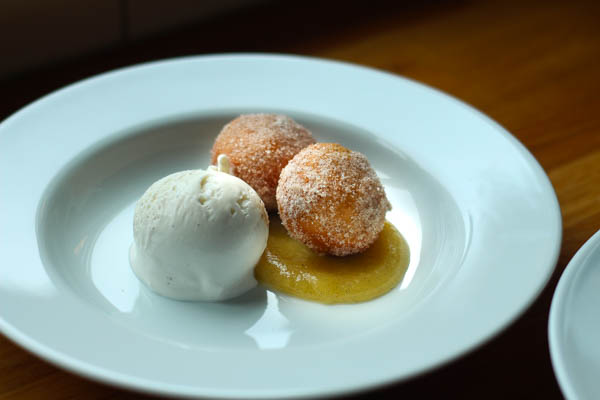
478	213
574	325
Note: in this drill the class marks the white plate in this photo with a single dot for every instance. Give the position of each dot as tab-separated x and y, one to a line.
574	325
478	212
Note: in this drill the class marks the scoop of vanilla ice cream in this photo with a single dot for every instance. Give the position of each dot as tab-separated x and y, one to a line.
198	235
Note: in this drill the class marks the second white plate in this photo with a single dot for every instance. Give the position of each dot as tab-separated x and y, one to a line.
574	325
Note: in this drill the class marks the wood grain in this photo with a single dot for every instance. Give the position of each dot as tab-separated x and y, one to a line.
534	66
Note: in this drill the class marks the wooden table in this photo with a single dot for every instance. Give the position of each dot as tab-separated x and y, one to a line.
533	66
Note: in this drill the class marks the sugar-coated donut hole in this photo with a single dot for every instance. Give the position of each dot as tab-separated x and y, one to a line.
258	147
331	199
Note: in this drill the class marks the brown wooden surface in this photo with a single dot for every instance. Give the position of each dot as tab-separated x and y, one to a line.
533	66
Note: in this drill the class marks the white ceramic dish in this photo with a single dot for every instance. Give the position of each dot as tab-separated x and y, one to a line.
478	212
574	325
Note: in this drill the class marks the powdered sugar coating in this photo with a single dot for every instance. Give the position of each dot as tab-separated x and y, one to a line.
331	199
258	147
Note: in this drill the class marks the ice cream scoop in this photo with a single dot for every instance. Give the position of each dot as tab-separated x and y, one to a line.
198	235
